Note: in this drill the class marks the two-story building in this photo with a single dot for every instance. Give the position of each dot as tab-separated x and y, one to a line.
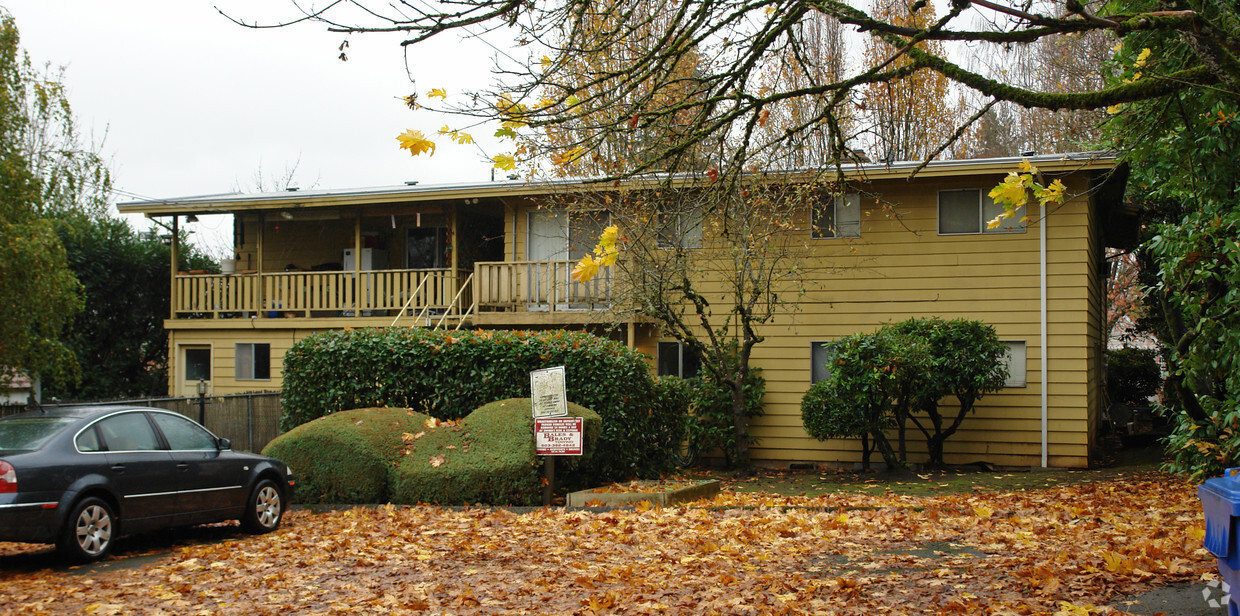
494	255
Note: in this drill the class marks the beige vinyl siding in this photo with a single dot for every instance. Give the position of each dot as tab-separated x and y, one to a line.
895	270
892	273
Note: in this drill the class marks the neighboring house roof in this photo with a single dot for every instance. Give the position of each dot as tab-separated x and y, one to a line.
412	192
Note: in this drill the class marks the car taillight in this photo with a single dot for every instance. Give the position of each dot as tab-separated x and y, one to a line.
8	478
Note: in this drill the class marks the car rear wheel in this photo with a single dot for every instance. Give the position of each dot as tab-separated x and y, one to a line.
264	508
89	531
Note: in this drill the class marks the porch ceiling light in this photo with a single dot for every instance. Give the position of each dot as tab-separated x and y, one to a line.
191	218
286	215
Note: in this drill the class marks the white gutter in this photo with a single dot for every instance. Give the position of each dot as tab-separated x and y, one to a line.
1044	362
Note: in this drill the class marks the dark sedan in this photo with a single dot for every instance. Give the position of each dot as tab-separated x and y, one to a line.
79	477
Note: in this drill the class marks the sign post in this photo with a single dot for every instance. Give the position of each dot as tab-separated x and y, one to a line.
555	434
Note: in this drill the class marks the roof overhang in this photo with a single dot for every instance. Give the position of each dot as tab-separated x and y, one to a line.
1053	164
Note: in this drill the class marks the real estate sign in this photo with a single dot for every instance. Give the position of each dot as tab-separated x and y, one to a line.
547	392
558	436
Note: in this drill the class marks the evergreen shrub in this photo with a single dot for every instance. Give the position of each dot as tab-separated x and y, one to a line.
449	374
345	458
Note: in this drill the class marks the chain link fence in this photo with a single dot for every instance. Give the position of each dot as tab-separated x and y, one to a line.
250	421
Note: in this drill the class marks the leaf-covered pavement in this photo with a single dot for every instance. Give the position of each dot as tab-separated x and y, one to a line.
1068	550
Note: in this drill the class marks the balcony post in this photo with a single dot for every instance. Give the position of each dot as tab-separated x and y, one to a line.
453	275
172	306
357	263
258	249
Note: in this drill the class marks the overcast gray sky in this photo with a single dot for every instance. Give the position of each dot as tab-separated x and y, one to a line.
193	104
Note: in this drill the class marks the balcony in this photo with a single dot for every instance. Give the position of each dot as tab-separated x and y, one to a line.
495	292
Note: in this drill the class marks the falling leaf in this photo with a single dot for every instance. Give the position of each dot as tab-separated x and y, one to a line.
437	93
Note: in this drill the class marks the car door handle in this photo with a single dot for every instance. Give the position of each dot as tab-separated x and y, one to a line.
120	468
183	465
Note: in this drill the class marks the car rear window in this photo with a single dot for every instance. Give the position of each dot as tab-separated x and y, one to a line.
29	433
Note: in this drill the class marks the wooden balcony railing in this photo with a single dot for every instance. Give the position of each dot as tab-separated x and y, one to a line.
538	286
315	294
521	286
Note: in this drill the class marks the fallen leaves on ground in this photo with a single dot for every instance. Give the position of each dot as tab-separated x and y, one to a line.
1062	550
643	487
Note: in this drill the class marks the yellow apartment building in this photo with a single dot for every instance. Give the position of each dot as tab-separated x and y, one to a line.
496	255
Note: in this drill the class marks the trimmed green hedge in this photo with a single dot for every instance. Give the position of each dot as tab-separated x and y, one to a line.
448	374
396	455
345	458
491	459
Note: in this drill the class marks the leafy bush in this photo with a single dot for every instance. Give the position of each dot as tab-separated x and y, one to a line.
882	380
448	374
712	427
958	358
856	399
345	458
1133	375
488	458
397	455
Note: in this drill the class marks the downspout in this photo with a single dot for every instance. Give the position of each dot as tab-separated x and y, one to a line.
1045	370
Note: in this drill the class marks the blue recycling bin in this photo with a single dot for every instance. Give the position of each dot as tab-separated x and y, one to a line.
1220	500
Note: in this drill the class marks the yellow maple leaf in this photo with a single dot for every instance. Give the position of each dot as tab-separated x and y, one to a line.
609	236
416	143
1013	191
1072	609
585	269
607	258
1142	57
506	162
1052	193
437	92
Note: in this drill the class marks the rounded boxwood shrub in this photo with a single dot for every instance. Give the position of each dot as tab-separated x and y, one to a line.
396	455
449	374
345	458
487	458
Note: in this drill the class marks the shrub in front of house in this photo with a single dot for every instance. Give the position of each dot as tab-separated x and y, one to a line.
449	374
396	455
926	374
488	457
346	457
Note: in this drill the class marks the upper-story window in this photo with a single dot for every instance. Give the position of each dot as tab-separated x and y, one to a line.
679	229
971	210
836	217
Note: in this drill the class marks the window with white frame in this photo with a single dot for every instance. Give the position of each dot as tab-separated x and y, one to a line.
971	211
1014	359
819	355
676	359
838	216
253	361
679	229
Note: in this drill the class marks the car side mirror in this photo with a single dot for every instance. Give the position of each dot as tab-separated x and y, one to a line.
223	443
